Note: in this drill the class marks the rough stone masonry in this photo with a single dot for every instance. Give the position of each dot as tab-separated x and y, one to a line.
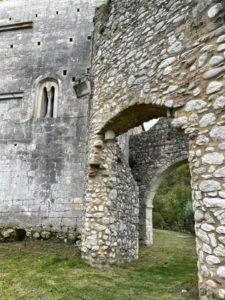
59	109
155	59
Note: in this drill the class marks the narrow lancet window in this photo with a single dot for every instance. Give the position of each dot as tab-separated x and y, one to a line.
46	100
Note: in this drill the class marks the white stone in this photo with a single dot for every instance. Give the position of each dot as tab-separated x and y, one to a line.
172	88
109	135
214	10
207	119
167	62
219	173
222	146
221	48
214	72
214	202
220	229
221	39
168	70
202	235
131	80
206	248
199	215
221	272
213	240
214	158
194	105
222	293
212	260
219	103
169	103
213	87
204	271
146	88
211	283
219	251
222	194
215	60
202	140
202	60
179	122
196	91
207	227
209	186
175	48
218	133
113	195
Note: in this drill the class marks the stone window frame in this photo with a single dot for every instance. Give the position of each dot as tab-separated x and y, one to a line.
48	82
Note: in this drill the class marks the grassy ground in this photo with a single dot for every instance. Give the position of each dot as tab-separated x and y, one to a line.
51	271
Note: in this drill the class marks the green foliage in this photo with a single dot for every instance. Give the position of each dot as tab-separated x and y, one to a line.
173	202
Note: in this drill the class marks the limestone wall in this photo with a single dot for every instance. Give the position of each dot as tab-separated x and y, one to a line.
42	160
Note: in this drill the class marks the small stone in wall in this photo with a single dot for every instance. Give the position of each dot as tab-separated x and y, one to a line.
215	60
195	105
221	39
167	62
202	60
219	103
179	122
202	140
214	72
212	260
221	48
207	227
214	202
207	119
221	272
220	251
209	186
146	88
131	80
202	235
222	293
213	87
175	48
218	133
196	91
214	10
213	158
199	215
219	173
221	229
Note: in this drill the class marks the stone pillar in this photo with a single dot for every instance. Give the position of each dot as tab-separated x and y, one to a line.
110	232
207	165
149	226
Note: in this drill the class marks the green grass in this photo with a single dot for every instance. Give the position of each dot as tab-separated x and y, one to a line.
53	271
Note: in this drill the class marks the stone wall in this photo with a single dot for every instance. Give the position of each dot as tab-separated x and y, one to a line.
159	58
42	159
153	154
110	233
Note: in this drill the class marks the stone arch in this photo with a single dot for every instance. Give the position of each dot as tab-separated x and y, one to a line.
153	154
149	199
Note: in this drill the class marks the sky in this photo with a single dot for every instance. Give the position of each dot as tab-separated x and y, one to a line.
150	124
